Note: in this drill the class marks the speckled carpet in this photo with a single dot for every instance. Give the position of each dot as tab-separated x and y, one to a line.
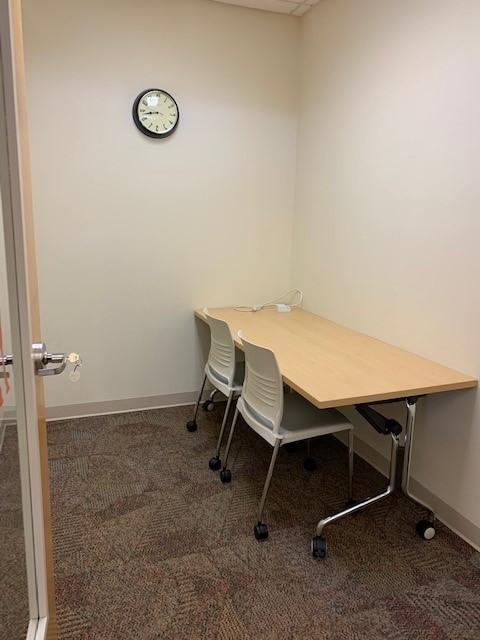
150	545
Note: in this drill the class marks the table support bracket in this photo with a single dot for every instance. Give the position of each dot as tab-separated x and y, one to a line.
369	501
386	426
411	404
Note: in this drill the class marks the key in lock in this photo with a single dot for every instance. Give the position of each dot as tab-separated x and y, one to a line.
75	360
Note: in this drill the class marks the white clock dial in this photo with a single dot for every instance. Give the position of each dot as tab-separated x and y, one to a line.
157	113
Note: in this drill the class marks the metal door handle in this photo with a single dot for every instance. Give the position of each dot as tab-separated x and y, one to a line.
42	359
51	358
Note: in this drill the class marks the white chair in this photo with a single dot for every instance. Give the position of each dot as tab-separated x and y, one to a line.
223	373
279	418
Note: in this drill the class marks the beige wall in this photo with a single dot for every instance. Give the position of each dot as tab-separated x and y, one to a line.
387	228
133	233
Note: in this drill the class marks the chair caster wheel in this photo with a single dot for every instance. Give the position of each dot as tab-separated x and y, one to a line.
208	405
191	426
261	531
215	463
425	529
319	546
225	476
309	464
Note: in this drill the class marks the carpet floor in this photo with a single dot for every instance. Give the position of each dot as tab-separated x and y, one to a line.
150	545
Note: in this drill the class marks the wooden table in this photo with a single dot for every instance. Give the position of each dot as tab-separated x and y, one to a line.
332	366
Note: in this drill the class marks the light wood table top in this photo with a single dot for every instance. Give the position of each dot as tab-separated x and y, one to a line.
333	366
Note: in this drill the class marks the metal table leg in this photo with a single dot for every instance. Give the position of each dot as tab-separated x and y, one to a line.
411	414
425	528
365	503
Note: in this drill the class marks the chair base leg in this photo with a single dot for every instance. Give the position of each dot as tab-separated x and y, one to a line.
192	426
266	487
215	463
260	531
319	547
309	464
225	476
209	404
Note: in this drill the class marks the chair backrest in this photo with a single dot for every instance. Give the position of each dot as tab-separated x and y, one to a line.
262	391
221	359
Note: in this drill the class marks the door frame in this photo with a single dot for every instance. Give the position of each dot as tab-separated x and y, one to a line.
15	191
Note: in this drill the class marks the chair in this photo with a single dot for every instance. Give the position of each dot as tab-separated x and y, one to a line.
279	418
223	373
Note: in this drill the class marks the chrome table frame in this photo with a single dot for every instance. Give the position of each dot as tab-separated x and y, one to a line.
411	404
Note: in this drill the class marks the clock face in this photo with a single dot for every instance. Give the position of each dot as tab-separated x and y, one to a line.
156	113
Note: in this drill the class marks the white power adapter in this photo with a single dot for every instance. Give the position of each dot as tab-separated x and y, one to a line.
283	308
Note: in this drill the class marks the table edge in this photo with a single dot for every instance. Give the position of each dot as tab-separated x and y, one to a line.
469	382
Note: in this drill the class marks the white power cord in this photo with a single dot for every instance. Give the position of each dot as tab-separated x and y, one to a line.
281	306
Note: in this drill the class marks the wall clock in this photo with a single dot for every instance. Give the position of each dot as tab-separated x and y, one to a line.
155	113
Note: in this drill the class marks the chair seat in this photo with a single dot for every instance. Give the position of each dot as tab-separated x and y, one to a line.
301	420
221	385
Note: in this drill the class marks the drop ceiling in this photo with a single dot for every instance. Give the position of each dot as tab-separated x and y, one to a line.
292	7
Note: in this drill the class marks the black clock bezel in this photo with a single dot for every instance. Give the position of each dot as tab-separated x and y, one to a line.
139	125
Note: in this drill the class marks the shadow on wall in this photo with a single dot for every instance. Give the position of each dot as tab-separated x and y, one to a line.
449	431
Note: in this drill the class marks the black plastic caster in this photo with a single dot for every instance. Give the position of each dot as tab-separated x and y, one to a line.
309	464
191	426
208	405
225	476
261	531
319	547
425	529
215	463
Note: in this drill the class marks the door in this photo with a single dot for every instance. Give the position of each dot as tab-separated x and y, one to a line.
27	594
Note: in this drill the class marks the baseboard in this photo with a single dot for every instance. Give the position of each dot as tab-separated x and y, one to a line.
463	527
126	405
